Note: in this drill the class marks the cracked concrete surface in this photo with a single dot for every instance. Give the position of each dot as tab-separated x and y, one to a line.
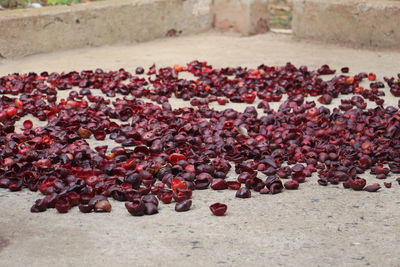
314	226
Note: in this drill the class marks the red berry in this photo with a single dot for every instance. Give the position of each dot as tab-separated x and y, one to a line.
175	157
371	77
222	101
27	124
11	112
183	206
63	205
358	184
312	112
249	98
3	116
387	184
291	185
372	187
218	209
177	184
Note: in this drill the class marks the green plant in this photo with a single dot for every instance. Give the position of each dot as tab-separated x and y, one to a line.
62	2
22	4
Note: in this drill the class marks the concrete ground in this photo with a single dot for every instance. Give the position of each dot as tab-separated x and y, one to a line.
314	226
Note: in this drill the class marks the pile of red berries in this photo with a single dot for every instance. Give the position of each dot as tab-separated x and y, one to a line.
163	154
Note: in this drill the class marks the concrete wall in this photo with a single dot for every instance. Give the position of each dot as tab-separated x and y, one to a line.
31	31
247	17
369	23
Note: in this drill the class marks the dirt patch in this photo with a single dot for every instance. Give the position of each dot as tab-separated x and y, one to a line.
4	242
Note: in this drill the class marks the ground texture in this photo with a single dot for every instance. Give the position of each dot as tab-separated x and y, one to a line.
314	226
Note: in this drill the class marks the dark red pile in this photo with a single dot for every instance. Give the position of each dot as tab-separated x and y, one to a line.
166	153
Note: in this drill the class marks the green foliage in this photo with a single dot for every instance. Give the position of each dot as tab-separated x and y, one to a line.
14	3
280	12
281	21
23	3
62	2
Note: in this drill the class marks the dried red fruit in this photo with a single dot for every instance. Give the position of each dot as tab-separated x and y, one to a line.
18	104
358	183
190	168
11	112
165	197
4	182
99	135
15	186
193	146
92	181
325	99
372	187
202	180
275	188
39	206
274	185
284	172
381	176
43	163
312	112
233	185
136	207
183	206
371	77
85	208
264	191
151	208
291	185
102	206
219	184
178	68
3	116
51	200
46	188
84	133
139	70
299	176
243	193
387	184
177	184
379	170
222	101
244	176
249	97
218	209
365	162
175	157
346	184
73	198
182	194
27	124
62	205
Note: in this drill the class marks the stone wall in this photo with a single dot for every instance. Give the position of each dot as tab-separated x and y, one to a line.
369	23
30	31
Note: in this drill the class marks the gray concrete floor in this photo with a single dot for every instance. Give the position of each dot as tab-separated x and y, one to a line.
314	226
